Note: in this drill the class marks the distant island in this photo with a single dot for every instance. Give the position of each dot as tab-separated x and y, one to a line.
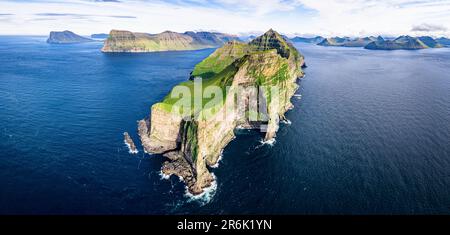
194	140
314	40
100	36
348	42
443	41
405	43
126	41
378	43
66	37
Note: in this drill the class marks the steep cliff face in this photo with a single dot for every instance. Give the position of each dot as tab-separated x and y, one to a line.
193	136
125	41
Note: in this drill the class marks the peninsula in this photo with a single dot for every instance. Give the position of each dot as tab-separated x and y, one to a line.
66	37
192	137
126	41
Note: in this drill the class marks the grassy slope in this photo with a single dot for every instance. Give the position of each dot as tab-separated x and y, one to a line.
220	67
220	59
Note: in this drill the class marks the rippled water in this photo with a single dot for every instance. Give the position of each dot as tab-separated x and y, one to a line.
369	134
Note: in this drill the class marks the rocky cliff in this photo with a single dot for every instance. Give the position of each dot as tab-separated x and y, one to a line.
125	41
192	131
66	37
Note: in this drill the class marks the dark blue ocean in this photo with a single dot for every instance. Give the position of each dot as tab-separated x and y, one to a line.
369	135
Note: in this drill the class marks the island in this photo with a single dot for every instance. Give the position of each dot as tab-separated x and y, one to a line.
313	40
100	36
253	84
66	37
126	41
348	42
404	43
443	41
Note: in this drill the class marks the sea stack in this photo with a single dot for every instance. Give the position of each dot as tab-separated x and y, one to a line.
193	141
129	142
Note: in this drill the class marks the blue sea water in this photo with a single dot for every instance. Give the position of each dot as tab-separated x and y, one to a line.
370	135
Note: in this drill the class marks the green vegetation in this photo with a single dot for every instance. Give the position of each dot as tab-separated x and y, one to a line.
190	128
220	59
219	69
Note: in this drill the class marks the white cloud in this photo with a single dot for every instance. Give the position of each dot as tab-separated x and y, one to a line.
346	17
323	17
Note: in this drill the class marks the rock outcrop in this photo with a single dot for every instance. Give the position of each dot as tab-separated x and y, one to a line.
66	37
404	43
130	143
126	41
193	136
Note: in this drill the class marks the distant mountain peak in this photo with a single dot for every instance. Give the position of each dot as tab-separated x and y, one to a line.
272	40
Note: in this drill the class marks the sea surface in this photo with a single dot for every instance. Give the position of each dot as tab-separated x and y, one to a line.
369	134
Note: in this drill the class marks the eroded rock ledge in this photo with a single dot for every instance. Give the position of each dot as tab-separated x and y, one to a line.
193	141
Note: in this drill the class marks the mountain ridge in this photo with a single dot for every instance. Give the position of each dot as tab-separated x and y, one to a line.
126	41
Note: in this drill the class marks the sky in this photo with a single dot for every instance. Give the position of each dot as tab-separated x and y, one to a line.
241	17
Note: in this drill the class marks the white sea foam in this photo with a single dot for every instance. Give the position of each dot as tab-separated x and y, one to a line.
286	121
206	196
270	142
298	96
164	176
129	148
218	160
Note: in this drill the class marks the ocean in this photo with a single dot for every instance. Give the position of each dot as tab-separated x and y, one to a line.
369	134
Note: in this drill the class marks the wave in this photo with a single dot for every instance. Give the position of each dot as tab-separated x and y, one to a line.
129	148
206	196
298	96
286	121
270	142
218	160
164	176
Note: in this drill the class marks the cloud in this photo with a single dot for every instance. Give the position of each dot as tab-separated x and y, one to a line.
259	7
346	17
308	17
6	14
124	17
83	16
428	28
